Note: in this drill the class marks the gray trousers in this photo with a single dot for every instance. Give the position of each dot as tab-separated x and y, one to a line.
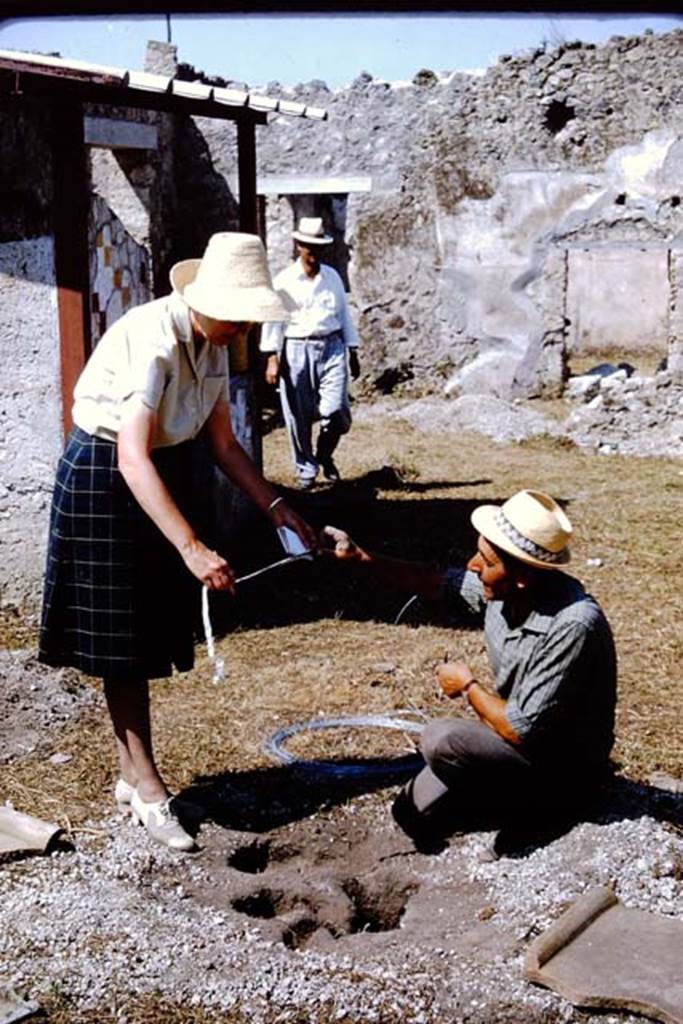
470	764
314	378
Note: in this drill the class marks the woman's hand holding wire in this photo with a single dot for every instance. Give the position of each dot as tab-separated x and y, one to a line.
208	566
282	515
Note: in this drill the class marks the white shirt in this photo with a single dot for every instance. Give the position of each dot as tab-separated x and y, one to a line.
321	308
149	353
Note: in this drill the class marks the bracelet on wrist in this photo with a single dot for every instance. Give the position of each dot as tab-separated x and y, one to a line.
466	688
274	502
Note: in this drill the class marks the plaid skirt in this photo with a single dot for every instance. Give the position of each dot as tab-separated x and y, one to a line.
118	602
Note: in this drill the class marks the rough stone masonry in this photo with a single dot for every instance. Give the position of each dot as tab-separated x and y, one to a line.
513	217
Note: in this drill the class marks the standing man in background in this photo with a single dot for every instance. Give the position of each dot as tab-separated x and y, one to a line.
309	356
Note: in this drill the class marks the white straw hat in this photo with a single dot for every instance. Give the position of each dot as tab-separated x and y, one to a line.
530	525
231	281
311	232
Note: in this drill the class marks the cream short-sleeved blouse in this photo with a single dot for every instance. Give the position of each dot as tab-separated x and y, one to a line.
150	354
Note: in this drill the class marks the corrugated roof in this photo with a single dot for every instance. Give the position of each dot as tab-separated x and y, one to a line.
138	86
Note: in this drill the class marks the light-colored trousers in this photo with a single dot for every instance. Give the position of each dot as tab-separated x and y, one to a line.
468	760
314	379
478	771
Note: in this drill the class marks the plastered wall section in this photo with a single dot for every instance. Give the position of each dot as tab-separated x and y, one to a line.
30	413
618	297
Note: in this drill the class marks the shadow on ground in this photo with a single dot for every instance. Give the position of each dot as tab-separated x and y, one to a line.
409	524
620	799
264	799
268	798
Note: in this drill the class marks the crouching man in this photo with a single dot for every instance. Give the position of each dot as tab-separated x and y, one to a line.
546	726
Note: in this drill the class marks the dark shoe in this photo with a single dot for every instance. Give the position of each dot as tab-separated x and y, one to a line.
330	471
425	839
520	841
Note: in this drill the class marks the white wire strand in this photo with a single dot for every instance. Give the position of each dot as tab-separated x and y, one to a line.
405	608
218	662
275	744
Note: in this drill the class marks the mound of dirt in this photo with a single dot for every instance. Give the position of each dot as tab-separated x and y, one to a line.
34	700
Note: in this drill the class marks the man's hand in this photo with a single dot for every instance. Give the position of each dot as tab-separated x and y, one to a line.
338	543
273	368
208	566
454	676
354	364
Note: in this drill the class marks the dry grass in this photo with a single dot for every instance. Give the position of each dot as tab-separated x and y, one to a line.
313	639
149	1010
152	1010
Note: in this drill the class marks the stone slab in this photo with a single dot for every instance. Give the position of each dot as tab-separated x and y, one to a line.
14	1010
22	833
602	954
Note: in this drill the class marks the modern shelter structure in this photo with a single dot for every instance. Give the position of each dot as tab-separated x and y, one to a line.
66	87
105	182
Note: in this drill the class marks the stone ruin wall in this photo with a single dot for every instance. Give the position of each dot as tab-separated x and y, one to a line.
513	216
30	399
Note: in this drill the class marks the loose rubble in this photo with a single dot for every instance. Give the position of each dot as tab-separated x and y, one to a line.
614	414
628	415
121	917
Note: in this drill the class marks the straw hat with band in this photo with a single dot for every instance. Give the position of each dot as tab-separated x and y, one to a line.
231	282
531	526
311	232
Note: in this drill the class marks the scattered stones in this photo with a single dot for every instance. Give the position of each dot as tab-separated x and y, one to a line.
331	917
584	387
60	758
13	1009
630	415
498	419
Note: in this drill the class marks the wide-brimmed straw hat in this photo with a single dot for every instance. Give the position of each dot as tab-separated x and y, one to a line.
530	525
311	232
231	281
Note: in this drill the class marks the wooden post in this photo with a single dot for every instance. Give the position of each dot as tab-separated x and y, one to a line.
246	159
246	163
261	215
71	199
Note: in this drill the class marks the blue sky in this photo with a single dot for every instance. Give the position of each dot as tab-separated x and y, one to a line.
258	49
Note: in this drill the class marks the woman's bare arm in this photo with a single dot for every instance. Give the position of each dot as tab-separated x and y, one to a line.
149	490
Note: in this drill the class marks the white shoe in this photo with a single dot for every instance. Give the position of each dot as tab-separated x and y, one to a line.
123	792
161	822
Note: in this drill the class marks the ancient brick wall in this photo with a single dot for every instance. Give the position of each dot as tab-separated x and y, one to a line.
481	185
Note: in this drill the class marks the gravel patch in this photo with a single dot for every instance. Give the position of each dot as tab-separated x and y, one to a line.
121	917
